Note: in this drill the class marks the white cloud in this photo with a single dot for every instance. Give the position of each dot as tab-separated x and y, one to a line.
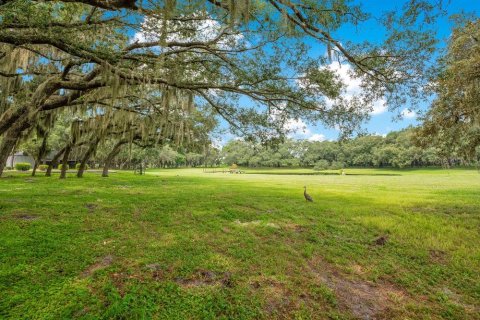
380	134
317	137
409	114
296	126
298	129
353	88
379	107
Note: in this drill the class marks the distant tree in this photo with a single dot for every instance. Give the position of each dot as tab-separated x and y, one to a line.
321	165
167	156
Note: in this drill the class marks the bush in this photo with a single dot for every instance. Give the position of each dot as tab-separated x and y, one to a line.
60	166
77	166
337	165
43	167
23	166
321	165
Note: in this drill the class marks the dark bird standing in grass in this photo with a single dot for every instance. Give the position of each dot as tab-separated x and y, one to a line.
306	195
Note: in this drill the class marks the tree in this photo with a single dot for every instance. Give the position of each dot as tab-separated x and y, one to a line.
167	156
74	54
321	165
452	124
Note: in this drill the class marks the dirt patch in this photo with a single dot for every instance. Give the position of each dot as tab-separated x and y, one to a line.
363	299
207	278
25	216
101	264
381	240
226	230
156	271
295	227
438	256
91	207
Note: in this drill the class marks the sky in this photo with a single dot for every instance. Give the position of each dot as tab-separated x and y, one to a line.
382	121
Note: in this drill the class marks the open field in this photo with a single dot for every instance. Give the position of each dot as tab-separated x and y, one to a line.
182	244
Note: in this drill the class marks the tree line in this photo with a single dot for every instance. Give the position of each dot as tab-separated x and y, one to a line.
398	149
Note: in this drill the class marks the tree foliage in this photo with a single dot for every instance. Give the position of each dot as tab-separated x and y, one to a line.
134	70
453	121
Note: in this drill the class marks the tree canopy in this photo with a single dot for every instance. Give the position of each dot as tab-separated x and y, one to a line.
157	66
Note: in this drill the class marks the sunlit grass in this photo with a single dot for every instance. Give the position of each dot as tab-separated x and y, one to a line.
187	244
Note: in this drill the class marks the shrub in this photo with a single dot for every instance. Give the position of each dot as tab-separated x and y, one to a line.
337	165
321	165
23	166
60	166
43	167
77	166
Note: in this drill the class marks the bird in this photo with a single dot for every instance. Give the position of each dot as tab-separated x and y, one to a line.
306	195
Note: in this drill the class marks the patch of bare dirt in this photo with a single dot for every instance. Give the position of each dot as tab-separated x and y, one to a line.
363	299
381	240
227	230
25	216
438	256
295	227
91	207
156	270
100	264
207	278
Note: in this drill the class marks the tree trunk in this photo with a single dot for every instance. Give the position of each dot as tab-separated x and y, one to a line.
54	162
66	154
88	154
111	156
8	144
35	166
42	150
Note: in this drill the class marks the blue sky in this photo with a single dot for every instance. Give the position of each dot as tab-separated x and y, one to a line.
382	121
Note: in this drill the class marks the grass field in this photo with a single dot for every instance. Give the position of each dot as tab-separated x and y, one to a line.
182	244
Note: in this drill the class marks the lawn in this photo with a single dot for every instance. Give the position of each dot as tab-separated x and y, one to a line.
183	244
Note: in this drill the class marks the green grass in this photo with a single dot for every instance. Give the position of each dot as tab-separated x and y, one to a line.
182	244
